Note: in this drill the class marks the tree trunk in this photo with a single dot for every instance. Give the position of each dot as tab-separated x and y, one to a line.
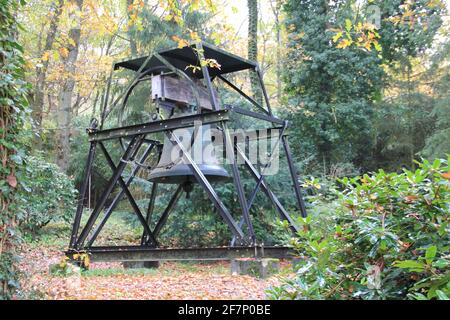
410	116
76	106
278	53
131	35
94	104
65	97
253	46
41	73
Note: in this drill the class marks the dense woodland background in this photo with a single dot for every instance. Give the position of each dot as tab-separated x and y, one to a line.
363	99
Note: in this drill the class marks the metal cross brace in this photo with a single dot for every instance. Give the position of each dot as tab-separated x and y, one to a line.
130	152
201	179
165	215
258	184
119	196
127	192
256	175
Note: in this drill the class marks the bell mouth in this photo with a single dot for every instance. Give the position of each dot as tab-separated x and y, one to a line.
182	173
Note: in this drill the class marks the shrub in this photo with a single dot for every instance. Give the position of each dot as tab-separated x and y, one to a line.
387	239
47	194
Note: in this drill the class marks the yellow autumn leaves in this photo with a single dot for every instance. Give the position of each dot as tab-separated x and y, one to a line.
83	258
361	35
194	37
173	10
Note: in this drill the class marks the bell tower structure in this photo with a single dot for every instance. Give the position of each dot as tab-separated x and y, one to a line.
189	119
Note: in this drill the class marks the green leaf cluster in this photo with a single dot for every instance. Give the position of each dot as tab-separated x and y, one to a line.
46	195
387	238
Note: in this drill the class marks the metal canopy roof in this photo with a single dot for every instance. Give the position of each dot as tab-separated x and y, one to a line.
182	58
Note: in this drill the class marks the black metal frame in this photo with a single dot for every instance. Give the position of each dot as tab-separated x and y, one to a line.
242	243
142	253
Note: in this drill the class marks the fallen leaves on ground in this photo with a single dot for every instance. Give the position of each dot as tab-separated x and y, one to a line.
170	281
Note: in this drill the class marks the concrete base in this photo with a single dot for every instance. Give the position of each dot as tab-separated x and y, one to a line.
140	264
261	268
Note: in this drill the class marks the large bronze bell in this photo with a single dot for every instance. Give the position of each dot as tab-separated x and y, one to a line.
172	168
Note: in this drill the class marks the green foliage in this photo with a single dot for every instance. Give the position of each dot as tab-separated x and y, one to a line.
335	92
387	239
13	114
331	90
407	118
438	144
153	33
407	29
195	225
403	125
46	195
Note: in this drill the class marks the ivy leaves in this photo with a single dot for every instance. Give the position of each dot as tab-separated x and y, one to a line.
13	113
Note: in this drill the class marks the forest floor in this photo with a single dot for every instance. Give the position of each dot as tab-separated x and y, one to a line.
172	280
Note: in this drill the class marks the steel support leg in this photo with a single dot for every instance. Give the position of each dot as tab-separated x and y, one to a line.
118	197
150	208
162	221
133	203
132	149
293	171
79	212
151	203
233	239
229	148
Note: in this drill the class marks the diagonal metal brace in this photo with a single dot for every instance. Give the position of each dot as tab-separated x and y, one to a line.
133	203
283	213
223	211
260	180
132	149
162	221
237	183
150	209
118	197
294	176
